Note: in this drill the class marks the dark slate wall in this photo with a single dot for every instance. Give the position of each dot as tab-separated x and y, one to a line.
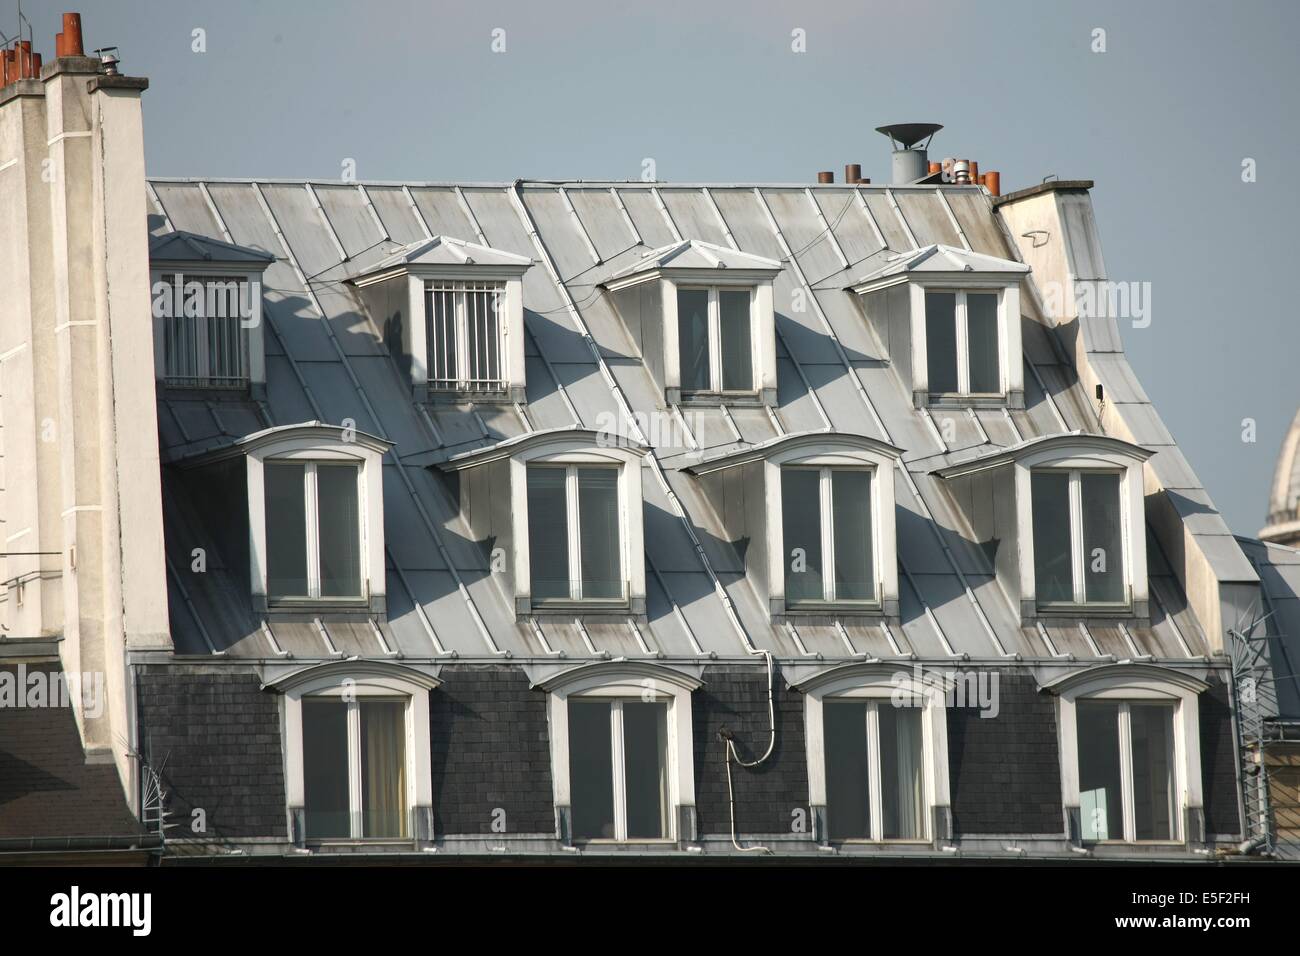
1004	771
46	787
491	750
765	795
216	736
1219	762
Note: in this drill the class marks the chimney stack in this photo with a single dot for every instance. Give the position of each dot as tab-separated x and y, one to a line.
78	404
826	176
853	173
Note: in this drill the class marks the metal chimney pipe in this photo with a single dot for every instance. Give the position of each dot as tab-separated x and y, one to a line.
993	182
853	173
826	176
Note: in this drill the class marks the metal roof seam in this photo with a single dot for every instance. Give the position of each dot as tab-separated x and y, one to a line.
625	407
477	617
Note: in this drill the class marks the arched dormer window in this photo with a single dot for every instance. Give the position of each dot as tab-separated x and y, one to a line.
357	755
563	507
316	518
1065	517
622	752
823	543
951	321
1131	754
877	744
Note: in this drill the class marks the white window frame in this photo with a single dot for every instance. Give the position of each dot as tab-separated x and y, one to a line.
1078	559
619	771
622	681
715	340
311	504
573	518
819	449
963	341
1135	683
1081	453
880	685
308	443
826	508
252	350
461	289
353	680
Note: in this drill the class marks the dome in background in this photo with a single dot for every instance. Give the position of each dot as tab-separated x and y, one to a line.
1284	501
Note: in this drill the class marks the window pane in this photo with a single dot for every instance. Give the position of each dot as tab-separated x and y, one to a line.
286	529
481	328
598	527
1153	771
1053	565
325	768
848	810
383	768
982	342
1103	552
737	364
1100	810
901	799
548	534
802	523
339	524
645	761
941	341
591	770
693	338
851	502
440	311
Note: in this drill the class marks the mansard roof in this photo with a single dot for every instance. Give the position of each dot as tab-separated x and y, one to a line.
327	360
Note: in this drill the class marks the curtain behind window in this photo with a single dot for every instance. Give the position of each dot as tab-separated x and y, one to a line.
903	802
383	768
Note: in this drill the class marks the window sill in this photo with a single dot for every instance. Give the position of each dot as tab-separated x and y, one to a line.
290	609
828	613
506	395
614	609
1104	615
1014	399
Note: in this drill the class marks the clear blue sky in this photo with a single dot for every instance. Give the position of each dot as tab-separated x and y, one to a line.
713	93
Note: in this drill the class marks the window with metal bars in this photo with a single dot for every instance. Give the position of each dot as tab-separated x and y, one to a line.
465	329
204	339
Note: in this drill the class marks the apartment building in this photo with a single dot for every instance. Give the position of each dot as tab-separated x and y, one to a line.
589	519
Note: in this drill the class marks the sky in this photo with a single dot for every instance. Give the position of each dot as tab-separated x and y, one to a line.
1161	121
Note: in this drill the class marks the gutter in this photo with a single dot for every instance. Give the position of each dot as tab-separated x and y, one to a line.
143	841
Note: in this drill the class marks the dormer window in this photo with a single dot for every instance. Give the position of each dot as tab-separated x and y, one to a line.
570	540
1063	519
464	335
824	542
1078	537
452	316
575	533
827	524
207	311
950	319
715	332
962	341
313	530
315	497
703	318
